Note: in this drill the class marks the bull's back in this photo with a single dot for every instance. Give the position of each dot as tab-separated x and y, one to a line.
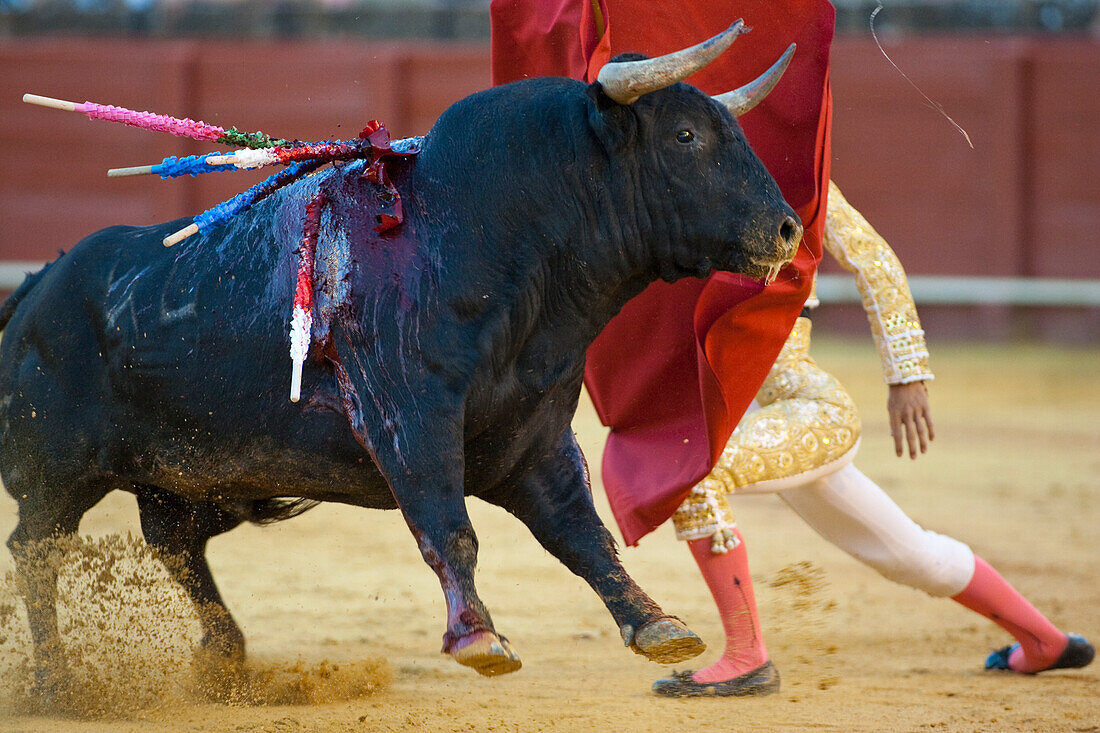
53	375
55	336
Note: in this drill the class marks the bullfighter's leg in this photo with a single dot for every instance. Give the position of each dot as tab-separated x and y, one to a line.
555	502
179	529
852	512
45	518
806	426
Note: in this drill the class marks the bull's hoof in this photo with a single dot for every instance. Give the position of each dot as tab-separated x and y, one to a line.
50	689
219	677
227	646
666	641
489	654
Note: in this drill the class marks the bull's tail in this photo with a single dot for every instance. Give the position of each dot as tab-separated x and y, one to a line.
7	308
269	511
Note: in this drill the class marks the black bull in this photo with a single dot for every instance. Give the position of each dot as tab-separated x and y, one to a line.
453	347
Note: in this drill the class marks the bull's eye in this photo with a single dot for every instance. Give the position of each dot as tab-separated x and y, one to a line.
684	137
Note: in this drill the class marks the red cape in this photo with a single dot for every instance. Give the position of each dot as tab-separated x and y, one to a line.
674	372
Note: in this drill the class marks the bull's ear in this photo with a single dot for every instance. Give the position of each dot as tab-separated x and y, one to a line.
600	98
613	123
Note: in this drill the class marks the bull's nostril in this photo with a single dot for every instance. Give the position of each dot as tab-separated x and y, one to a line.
791	231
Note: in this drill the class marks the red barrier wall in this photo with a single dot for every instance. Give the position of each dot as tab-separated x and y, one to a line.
1024	201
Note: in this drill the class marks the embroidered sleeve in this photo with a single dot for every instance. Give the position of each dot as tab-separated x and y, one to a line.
883	289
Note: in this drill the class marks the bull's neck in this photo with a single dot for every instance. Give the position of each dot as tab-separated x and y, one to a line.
544	219
566	293
580	297
610	256
581	260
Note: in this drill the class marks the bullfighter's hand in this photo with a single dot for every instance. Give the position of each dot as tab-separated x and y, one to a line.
910	417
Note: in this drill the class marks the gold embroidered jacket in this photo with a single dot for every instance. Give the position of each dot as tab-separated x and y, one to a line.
883	288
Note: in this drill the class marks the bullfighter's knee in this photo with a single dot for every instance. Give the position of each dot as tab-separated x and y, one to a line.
932	566
852	512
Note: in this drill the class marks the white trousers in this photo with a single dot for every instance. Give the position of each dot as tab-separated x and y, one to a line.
853	513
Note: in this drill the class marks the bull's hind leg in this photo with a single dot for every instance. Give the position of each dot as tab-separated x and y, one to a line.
46	518
179	529
555	502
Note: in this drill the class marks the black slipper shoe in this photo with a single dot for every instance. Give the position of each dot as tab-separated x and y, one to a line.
764	680
1078	653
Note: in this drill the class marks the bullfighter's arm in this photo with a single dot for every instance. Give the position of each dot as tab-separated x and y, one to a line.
890	309
883	287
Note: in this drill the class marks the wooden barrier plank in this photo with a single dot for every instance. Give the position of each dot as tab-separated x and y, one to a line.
55	189
434	79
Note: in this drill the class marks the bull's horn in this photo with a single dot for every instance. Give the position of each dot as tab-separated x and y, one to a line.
741	100
627	80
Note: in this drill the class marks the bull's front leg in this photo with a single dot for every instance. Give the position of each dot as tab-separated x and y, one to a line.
428	487
423	462
555	502
435	510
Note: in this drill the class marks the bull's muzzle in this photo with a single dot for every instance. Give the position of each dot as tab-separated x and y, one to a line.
786	244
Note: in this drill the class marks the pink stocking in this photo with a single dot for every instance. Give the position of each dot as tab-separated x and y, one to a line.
727	577
989	594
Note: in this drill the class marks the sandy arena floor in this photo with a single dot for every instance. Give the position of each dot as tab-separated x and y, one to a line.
344	620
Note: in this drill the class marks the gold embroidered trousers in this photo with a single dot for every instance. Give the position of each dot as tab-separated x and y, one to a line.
806	427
